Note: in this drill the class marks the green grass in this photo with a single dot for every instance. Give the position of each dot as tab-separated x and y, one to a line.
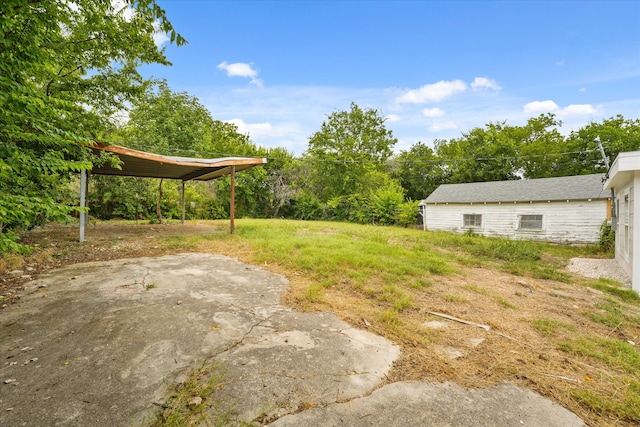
615	353
619	356
455	298
613	288
548	326
180	408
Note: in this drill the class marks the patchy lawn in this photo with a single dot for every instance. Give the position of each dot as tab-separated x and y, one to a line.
567	337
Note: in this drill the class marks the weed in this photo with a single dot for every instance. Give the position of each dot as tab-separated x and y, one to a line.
615	353
611	287
183	408
420	283
401	303
623	406
609	315
504	302
314	293
454	298
548	326
390	318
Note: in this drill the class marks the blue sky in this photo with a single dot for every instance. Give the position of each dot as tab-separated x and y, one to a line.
434	69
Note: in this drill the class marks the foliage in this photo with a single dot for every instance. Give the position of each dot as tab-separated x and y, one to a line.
481	154
418	170
307	206
607	239
347	149
64	71
408	213
181	409
384	203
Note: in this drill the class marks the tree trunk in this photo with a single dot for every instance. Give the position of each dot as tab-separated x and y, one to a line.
158	210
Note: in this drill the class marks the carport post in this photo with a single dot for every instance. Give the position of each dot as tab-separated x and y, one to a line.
182	202
232	207
83	190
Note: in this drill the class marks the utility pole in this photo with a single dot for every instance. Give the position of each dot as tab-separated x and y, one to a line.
604	156
613	196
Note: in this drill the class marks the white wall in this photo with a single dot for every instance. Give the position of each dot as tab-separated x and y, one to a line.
627	230
562	222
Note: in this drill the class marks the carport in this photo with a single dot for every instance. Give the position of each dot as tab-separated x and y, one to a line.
149	165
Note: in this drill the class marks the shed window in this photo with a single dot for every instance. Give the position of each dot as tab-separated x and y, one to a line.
472	220
531	222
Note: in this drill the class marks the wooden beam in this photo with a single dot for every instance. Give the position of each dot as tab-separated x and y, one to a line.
83	192
182	202
233	199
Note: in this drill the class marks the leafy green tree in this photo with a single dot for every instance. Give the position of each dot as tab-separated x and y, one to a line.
65	69
488	154
418	170
616	134
170	123
542	148
349	146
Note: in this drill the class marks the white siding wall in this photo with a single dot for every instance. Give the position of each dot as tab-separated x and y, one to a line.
624	229
562	222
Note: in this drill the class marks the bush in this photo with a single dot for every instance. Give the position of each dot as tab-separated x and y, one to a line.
385	202
408	213
607	238
307	207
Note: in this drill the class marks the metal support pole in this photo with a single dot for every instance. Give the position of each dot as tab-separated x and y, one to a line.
83	190
182	202
232	208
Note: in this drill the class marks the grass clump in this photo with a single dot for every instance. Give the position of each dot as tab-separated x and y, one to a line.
615	353
193	402
455	298
548	326
612	288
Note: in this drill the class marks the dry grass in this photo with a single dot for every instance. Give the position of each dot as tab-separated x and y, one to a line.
571	339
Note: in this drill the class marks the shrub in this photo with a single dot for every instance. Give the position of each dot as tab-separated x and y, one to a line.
607	238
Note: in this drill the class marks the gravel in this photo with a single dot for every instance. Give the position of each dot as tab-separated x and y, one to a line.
596	268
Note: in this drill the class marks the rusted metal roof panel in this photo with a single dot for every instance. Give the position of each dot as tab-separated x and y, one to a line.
150	165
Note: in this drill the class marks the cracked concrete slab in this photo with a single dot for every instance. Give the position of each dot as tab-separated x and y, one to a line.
100	343
439	405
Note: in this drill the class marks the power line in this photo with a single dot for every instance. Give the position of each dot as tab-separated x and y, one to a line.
358	161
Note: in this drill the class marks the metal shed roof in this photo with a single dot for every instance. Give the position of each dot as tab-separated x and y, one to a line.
150	165
525	190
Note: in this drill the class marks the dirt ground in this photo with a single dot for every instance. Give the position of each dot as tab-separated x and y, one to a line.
502	346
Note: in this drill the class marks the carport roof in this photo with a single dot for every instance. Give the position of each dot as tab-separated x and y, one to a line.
150	165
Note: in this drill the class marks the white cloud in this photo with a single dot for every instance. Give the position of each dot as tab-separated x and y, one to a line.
540	107
578	110
433	92
391	118
432	112
484	83
437	127
241	69
253	129
159	37
573	110
582	89
560	63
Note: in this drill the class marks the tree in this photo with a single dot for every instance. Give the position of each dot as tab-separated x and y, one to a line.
170	123
542	148
418	170
65	69
348	147
488	154
617	134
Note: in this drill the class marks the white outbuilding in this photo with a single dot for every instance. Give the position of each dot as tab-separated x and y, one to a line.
624	178
567	209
